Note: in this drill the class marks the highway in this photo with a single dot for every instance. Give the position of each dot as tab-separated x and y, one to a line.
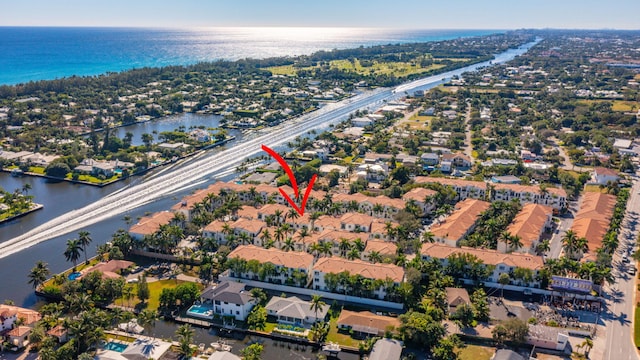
216	163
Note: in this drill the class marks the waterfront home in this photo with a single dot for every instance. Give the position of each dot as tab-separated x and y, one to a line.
456	297
109	269
18	336
499	263
292	310
386	349
229	298
223	355
592	222
285	264
390	274
10	314
366	323
460	223
529	225
149	225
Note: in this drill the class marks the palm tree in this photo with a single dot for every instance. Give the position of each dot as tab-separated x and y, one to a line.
359	245
72	253
569	243
293	214
185	338
38	275
543	247
428	237
288	245
515	242
375	257
84	239
147	317
353	254
316	305
344	246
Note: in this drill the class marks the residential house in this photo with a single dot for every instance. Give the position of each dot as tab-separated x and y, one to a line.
463	188
501	263
335	265
356	222
60	333
292	310
149	225
229	298
458	160
216	230
550	196
430	159
422	197
506	354
506	179
460	223
592	222
386	349
18	336
367	323
385	249
603	176
223	355
529	225
361	122
456	297
285	263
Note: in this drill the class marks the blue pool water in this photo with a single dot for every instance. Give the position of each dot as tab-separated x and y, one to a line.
200	310
114	346
74	275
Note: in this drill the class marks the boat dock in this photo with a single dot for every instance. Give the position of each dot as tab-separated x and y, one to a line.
196	322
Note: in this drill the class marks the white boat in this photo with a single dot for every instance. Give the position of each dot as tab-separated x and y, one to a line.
221	346
331	348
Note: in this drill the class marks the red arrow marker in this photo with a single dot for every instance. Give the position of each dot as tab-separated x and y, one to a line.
294	183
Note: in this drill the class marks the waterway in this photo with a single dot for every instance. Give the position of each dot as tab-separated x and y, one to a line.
60	198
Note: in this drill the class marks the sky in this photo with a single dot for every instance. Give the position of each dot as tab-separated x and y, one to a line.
402	14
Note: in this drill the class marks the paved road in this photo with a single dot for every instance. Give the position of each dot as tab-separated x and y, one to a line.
555	244
468	148
566	163
620	305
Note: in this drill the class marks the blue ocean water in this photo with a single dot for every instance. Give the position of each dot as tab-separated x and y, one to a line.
39	53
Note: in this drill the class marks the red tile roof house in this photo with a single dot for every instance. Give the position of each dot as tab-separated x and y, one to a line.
285	262
149	225
334	265
603	176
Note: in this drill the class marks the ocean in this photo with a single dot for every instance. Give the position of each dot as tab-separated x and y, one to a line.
44	53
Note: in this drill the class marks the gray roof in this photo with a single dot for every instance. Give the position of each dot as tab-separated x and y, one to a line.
223	355
228	291
506	354
386	349
294	307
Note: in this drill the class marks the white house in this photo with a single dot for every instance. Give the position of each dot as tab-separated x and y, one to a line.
602	175
229	298
292	310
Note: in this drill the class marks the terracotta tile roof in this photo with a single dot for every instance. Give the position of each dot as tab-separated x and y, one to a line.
29	316
337	265
57	331
252	226
326	221
289	259
529	223
364	321
382	247
380	227
362	220
248	212
592	220
593	230
605	171
190	200
458	223
517	188
457	296
418	194
336	235
490	257
19	331
270	209
596	205
149	225
216	226
361	198
109	269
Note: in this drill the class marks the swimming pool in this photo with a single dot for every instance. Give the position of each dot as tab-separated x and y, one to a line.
114	346
200	311
74	275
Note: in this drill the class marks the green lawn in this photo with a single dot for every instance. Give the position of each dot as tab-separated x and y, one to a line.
340	338
155	288
636	327
476	352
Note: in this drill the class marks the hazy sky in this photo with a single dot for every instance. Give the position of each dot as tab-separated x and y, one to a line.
422	14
